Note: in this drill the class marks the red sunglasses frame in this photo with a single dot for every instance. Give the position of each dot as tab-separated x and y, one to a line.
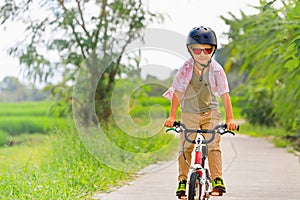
206	51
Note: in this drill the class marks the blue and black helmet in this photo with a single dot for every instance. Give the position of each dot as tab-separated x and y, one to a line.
202	35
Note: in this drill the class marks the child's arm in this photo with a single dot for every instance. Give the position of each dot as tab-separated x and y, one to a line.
173	110
228	109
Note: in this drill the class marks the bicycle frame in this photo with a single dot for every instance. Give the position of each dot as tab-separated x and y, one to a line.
200	155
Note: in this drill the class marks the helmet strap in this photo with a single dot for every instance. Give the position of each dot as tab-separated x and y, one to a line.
202	70
203	65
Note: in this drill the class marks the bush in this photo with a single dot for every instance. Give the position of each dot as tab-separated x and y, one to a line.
257	106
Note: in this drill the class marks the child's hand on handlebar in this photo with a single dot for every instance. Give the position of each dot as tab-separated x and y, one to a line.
169	122
231	125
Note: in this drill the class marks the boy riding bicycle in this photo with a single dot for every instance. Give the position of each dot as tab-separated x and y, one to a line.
195	89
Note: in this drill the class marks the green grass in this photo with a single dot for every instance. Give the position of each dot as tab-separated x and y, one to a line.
30	150
3	138
277	135
40	108
27	117
60	167
55	164
15	125
263	131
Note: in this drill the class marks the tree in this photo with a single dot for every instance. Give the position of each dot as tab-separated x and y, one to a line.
12	90
266	46
77	33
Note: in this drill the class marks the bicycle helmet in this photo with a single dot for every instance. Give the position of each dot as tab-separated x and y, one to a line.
202	35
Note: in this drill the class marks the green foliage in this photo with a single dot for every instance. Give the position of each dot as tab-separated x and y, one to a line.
59	166
62	167
266	48
278	135
263	131
257	106
27	124
89	35
149	101
66	170
146	144
141	107
37	109
3	138
27	117
237	104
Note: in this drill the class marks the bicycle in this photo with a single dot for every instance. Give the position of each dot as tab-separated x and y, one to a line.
199	180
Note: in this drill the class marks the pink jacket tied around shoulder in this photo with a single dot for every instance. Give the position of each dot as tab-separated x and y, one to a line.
217	79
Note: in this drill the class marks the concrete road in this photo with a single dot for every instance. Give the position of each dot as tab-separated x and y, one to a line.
253	170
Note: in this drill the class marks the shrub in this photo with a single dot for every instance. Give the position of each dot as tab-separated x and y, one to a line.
257	106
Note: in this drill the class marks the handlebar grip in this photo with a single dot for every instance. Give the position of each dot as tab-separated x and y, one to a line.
176	123
238	128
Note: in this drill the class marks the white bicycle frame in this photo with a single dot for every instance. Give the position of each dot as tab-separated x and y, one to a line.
205	180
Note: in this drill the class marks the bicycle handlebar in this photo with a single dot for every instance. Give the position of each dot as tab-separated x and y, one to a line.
221	129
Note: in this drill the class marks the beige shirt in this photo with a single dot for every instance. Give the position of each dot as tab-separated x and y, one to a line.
198	96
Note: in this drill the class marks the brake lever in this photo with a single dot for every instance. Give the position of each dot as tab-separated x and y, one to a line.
177	126
224	130
229	132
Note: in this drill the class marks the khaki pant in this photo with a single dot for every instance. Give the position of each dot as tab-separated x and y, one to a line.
205	120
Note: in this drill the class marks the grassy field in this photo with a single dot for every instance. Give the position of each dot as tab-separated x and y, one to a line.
53	163
40	108
27	117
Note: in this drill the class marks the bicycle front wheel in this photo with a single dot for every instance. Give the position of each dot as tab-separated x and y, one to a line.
195	187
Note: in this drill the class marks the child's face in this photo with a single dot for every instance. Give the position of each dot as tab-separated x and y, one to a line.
202	52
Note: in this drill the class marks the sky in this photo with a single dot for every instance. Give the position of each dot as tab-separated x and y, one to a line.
183	16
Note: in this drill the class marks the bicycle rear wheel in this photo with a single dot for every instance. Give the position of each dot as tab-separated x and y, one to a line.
195	188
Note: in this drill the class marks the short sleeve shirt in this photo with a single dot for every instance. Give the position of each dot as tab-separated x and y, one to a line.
217	79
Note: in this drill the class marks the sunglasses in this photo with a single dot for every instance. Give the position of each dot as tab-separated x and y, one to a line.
197	51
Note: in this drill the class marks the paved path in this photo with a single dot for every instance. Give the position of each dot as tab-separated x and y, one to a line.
253	170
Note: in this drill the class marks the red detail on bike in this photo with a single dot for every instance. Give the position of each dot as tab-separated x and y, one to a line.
200	173
215	193
198	157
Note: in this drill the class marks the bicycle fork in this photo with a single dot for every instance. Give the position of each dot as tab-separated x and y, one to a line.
200	157
199	167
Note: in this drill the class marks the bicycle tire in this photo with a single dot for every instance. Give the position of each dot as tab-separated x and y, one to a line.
195	188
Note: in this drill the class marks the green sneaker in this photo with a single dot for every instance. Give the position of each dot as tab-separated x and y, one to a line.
218	187
181	189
